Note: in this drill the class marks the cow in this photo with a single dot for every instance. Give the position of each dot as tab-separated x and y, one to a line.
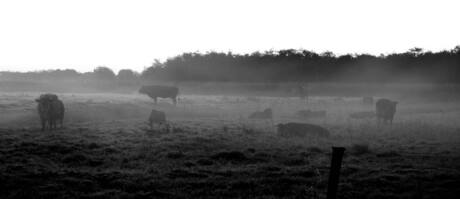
385	110
265	114
157	117
362	115
311	114
293	129
156	91
368	100
50	109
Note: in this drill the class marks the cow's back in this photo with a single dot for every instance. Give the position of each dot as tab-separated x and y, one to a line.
161	91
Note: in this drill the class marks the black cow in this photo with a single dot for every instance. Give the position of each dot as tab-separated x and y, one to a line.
293	129
385	110
156	91
157	117
50	110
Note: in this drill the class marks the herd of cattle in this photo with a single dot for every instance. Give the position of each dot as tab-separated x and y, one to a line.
51	110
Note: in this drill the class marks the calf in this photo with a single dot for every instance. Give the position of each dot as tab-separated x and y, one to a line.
157	117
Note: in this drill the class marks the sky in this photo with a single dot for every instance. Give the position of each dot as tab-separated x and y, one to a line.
84	34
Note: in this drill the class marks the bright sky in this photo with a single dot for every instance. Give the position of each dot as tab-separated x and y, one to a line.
84	34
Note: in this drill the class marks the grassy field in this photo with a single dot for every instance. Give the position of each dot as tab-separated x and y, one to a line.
106	149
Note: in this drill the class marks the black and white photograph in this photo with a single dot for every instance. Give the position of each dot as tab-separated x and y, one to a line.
204	99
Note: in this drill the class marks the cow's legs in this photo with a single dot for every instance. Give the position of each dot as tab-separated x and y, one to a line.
168	128
43	125
52	124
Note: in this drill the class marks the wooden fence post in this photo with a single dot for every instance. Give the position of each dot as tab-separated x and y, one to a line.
334	173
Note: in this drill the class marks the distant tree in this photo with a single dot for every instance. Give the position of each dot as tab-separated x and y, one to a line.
103	73
127	77
416	51
154	71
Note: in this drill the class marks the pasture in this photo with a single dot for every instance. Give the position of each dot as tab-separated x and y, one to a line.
107	150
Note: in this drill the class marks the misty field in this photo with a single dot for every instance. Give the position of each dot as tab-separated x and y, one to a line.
107	150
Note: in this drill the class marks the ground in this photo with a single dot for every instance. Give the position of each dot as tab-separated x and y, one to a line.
107	150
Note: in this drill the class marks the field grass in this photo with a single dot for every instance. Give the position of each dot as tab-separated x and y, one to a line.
106	149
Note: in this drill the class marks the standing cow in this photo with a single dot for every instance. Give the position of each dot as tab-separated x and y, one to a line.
156	91
50	110
385	110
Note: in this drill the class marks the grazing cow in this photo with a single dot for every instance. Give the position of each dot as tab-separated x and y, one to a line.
293	129
368	100
50	110
311	114
156	91
157	117
362	115
266	114
385	110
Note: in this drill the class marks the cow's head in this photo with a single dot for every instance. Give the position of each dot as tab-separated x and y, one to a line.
44	103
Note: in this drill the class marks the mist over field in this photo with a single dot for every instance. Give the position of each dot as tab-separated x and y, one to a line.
223	137
179	99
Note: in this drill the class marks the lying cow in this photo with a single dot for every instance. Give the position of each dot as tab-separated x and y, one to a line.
385	110
362	115
51	110
157	117
156	91
311	114
266	114
293	129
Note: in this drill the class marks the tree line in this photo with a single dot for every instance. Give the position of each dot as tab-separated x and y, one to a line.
290	65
